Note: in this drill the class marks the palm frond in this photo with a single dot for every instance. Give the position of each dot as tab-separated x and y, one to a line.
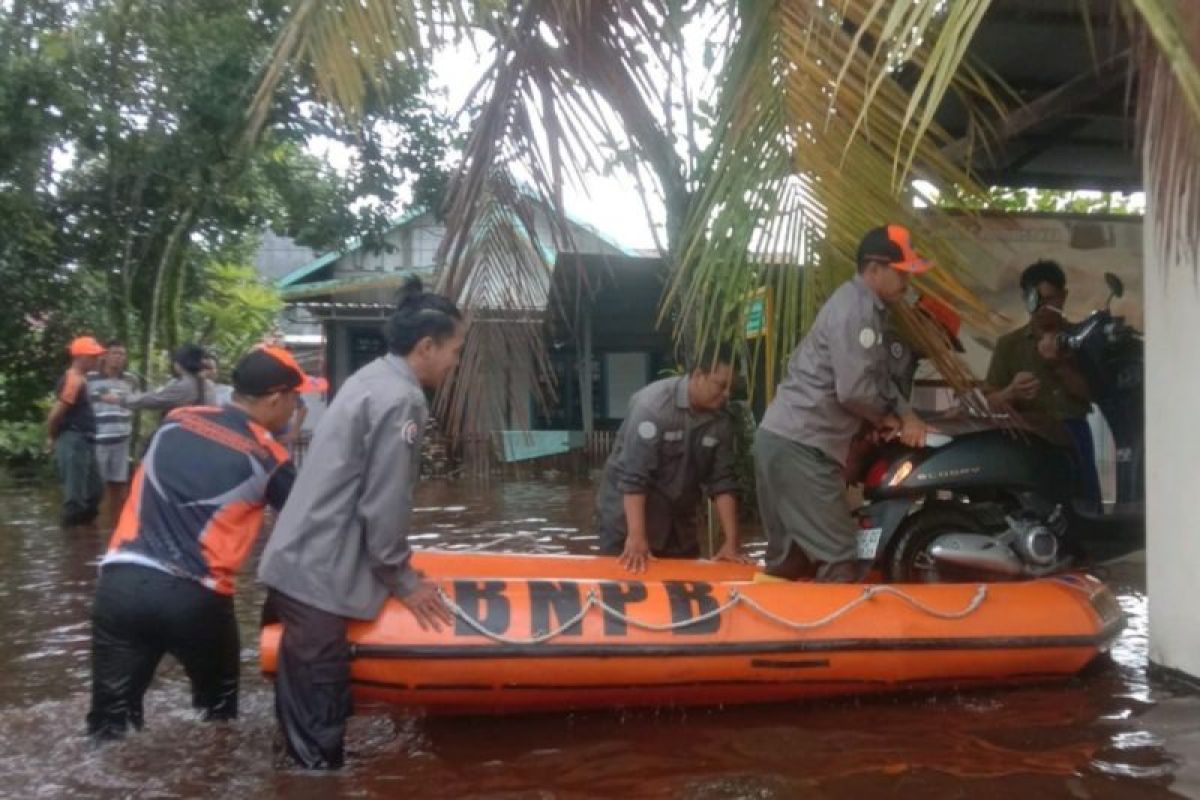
816	144
566	74
1168	37
1171	24
346	47
506	269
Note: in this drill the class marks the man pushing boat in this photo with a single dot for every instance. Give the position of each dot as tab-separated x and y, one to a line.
340	547
675	445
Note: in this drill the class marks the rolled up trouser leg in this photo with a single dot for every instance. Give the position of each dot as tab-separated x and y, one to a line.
802	500
312	682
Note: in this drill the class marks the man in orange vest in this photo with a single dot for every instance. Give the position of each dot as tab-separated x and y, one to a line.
70	433
194	510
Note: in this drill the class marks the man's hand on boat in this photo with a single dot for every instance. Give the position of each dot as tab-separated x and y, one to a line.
731	552
427	606
636	554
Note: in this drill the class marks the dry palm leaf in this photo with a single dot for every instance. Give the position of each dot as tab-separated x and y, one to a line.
817	143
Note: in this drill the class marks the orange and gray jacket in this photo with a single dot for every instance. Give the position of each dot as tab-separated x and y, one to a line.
197	501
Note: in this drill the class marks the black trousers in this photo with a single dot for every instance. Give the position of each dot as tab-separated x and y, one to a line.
312	681
142	613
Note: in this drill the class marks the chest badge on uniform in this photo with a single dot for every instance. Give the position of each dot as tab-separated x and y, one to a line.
673	436
647	430
709	441
409	432
897	350
866	337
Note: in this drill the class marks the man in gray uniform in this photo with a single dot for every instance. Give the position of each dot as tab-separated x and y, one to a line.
676	440
838	383
339	548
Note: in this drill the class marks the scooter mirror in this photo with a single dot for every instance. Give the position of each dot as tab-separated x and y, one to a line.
1114	284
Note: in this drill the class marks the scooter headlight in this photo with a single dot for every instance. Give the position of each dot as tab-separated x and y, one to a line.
903	471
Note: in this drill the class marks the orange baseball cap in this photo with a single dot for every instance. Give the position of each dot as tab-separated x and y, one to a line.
893	244
266	370
85	346
313	384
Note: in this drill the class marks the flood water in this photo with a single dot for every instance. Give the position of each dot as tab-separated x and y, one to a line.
1108	734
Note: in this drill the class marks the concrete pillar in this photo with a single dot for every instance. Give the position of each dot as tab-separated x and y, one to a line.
1173	458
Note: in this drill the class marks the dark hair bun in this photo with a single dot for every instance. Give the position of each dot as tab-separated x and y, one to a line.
410	292
418	314
190	357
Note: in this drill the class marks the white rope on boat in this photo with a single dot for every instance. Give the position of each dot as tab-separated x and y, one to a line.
593	600
734	599
868	594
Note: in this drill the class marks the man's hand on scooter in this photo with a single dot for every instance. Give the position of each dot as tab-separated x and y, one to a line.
913	430
908	428
887	429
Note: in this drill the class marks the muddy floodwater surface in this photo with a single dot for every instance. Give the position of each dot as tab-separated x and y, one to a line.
1109	733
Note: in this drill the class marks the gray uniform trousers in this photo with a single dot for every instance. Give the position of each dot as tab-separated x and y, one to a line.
802	501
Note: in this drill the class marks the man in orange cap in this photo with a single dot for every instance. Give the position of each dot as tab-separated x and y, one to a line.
196	505
838	381
70	432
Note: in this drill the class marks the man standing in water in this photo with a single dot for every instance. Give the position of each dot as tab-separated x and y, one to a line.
196	506
70	432
114	423
340	547
676	441
838	382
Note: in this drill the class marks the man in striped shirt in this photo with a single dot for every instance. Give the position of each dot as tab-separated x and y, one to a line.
114	423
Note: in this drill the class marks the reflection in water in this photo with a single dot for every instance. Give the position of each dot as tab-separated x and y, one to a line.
1086	739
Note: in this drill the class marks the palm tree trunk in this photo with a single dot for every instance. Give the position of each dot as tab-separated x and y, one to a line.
151	321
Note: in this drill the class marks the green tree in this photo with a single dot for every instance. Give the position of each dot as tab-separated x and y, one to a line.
133	202
1006	198
236	308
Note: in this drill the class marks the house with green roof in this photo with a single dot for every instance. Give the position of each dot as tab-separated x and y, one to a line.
350	292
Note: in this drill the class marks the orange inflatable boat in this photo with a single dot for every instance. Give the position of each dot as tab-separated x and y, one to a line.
536	632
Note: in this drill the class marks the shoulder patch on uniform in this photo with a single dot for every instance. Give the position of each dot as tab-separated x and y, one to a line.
409	432
866	337
647	429
897	350
709	441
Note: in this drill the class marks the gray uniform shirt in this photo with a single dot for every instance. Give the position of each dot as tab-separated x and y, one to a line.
176	393
670	454
839	376
340	544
